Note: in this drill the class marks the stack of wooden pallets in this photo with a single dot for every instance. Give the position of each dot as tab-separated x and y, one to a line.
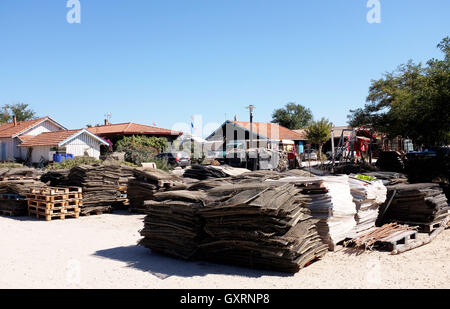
52	202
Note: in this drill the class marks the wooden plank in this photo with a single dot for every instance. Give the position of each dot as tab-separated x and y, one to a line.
48	205
50	191
46	211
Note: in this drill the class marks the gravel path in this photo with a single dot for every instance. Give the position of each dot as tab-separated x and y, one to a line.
101	252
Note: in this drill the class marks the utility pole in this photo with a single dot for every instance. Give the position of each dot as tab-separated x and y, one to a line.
249	158
251	108
332	147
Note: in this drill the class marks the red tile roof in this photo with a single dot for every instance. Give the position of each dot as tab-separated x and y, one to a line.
302	132
131	128
9	130
24	138
271	130
48	138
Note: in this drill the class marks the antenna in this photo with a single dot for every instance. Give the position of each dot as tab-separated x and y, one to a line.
108	116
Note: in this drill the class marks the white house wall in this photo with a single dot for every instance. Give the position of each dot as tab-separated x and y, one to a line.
81	144
40	152
43	127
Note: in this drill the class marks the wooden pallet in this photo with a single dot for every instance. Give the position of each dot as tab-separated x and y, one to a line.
72	209
71	195
47	198
50	191
424	227
47	217
75	189
428	228
397	240
48	205
74	202
47	211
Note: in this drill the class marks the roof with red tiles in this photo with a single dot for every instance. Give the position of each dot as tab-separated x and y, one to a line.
302	132
53	138
271	130
11	130
131	128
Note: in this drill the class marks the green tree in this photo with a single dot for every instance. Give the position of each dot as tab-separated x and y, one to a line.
292	116
413	101
139	149
319	132
22	112
5	115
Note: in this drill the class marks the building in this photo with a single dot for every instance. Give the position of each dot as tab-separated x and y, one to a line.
338	132
42	147
115	132
15	133
265	135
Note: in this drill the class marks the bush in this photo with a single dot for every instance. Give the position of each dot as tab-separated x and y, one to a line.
200	160
161	164
10	165
139	149
68	164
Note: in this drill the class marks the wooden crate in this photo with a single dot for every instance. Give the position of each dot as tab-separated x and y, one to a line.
50	191
47	198
47	205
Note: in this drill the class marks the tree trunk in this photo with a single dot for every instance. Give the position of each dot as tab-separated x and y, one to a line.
320	152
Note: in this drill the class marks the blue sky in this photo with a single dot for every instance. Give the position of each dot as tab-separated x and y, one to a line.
160	62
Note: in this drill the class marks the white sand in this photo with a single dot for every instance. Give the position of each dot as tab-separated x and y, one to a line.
101	252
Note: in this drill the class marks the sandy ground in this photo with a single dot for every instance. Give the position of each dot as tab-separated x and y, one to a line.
101	252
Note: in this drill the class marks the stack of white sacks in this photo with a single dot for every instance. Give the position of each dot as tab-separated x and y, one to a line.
367	196
333	206
335	225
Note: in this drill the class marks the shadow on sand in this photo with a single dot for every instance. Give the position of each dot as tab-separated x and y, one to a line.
163	267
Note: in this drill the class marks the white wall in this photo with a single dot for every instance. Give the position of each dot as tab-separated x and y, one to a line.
43	127
41	152
83	143
76	146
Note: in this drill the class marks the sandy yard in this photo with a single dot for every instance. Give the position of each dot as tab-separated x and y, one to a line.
101	252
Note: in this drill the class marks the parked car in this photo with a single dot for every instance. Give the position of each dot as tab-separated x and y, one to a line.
176	158
310	155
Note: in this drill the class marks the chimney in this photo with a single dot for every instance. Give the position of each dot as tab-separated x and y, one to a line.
15	120
106	122
235	117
